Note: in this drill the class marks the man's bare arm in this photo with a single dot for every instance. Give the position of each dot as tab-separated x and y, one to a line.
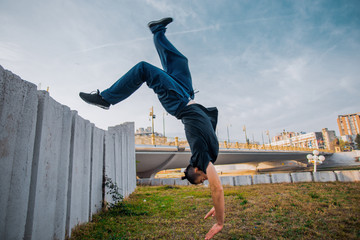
217	194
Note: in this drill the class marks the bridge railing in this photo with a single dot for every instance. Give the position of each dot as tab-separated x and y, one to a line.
232	145
264	147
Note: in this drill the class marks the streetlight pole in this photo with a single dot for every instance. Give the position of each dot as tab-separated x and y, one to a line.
268	134
246	139
228	135
152	115
315	159
164	123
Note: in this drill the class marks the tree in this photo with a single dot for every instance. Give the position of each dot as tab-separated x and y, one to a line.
344	145
357	141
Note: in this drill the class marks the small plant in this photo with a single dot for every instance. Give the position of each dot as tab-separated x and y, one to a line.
118	206
314	195
244	202
240	196
113	191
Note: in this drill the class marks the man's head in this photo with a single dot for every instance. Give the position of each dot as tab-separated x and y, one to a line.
194	175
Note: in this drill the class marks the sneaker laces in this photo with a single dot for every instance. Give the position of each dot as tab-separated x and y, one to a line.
97	92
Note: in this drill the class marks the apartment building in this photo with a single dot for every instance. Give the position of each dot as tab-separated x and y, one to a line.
323	139
349	125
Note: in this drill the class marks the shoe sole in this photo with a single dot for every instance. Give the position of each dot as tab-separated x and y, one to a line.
91	103
164	21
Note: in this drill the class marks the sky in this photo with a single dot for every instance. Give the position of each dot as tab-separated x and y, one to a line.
266	65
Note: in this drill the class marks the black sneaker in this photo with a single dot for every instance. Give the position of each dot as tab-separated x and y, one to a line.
164	22
95	99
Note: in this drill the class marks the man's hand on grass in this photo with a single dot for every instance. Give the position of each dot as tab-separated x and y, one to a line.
215	228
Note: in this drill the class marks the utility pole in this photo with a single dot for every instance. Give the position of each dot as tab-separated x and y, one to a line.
152	115
246	139
268	133
228	135
164	122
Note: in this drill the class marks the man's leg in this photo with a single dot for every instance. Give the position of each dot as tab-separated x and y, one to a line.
158	80
173	62
172	93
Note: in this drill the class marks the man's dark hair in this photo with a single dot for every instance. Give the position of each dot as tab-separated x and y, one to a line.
190	174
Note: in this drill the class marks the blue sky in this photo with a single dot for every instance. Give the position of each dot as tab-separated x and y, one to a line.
269	65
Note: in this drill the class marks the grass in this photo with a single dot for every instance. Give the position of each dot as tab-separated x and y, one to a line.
277	211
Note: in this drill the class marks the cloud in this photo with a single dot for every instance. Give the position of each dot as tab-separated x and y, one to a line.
269	66
111	45
10	52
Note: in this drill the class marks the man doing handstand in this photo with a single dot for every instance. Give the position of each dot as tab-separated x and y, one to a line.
173	86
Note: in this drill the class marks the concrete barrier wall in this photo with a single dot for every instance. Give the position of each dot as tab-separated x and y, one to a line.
323	176
50	166
118	141
17	137
97	170
53	163
79	172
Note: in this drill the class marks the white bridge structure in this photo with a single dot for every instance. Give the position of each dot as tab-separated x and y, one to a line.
150	159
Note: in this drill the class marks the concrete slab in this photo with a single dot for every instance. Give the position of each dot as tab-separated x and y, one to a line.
125	163
121	163
180	182
48	192
97	164
120	158
109	162
129	127
124	171
301	177
261	179
243	180
63	176
144	182
117	160
168	181
348	176
227	180
280	178
18	116
79	179
205	183
156	182
324	176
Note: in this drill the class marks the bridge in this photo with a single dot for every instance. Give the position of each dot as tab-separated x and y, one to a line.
151	159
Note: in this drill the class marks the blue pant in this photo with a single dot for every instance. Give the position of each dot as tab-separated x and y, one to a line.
173	85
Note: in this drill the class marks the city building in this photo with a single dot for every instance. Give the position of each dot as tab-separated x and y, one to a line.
305	140
349	126
329	136
143	136
319	140
146	132
284	135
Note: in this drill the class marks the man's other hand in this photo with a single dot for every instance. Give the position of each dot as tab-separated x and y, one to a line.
210	213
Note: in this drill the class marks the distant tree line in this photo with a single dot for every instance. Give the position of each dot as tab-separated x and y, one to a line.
346	146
